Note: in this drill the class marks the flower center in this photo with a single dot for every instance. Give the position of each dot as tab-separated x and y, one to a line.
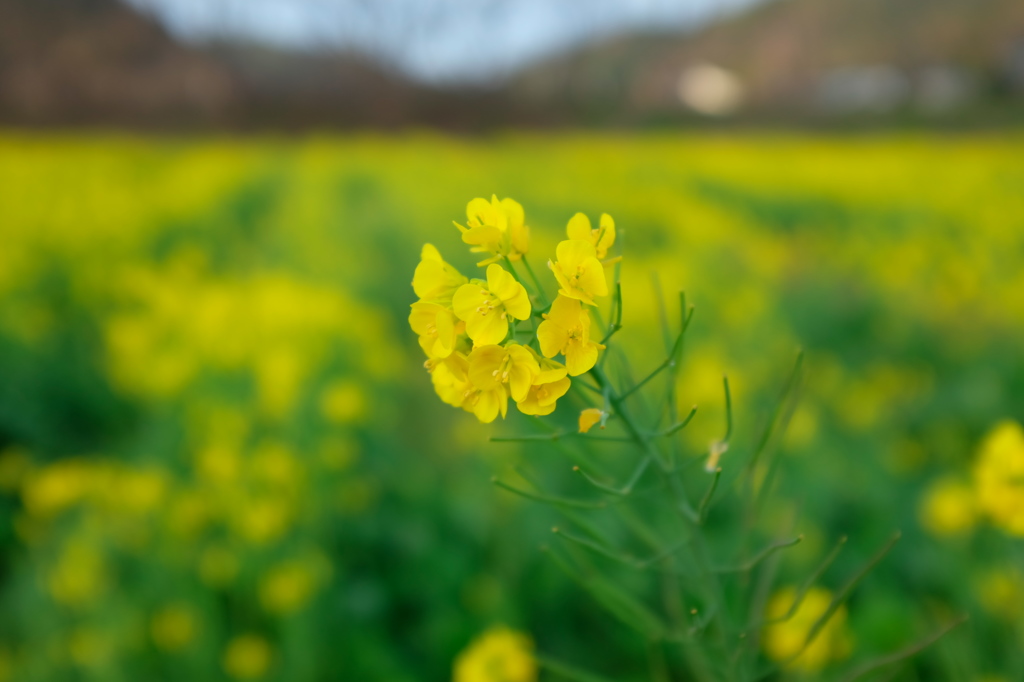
488	302
503	370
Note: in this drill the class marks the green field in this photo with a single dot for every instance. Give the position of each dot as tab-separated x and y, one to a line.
222	458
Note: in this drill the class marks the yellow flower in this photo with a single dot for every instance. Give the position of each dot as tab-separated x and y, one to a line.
450	377
434	279
542	397
566	330
487	307
550	384
999	477
589	418
578	271
499	655
247	657
496	227
437	327
496	372
947	508
602	238
784	640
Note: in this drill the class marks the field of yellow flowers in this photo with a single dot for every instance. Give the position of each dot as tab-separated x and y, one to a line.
221	457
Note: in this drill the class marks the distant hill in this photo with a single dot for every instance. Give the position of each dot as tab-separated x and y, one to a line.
789	55
101	63
96	62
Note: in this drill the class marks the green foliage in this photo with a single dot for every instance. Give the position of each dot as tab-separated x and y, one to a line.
204	362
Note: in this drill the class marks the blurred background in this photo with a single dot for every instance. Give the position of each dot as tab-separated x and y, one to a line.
220	457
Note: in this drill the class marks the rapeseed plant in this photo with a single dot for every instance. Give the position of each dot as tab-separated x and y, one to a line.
707	617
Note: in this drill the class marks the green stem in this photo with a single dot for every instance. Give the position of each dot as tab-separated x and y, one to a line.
536	282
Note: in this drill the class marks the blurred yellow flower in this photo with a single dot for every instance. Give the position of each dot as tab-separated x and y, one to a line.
279	375
589	418
498	655
218	463
138	491
566	330
947	507
56	487
263	520
578	271
79	576
338	453
343	401
784	640
435	280
288	587
1001	592
173	627
496	227
247	657
999	477
218	566
487	307
275	465
88	647
602	238
188	513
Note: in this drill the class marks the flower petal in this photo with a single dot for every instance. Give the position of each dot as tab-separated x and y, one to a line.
554	391
565	311
484	363
579	227
500	282
486	328
580	358
487	405
552	337
606	237
523	371
422	314
514	210
467	299
592	279
519	305
572	253
445	330
589	418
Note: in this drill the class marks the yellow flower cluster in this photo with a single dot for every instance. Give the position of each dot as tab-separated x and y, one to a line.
467	328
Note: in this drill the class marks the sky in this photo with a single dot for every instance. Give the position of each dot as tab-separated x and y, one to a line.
431	40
